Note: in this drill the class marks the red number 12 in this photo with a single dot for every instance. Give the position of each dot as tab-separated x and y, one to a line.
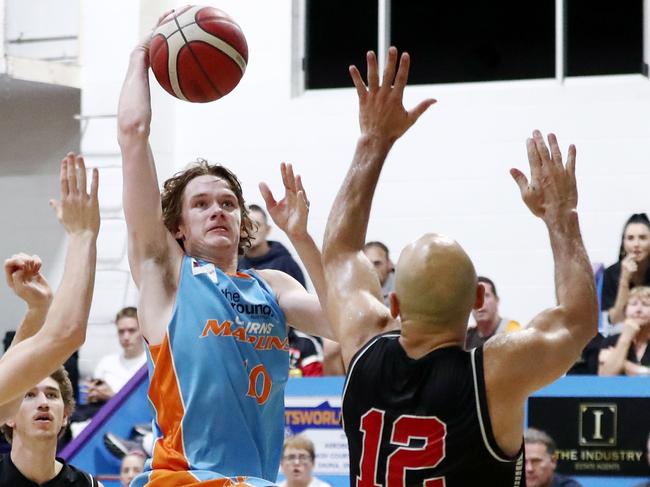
405	428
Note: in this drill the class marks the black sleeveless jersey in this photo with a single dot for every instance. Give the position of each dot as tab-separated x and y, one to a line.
69	476
422	422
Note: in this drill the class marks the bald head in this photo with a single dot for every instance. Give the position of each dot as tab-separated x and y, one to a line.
435	282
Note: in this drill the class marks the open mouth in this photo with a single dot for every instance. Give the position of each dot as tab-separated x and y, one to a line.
43	418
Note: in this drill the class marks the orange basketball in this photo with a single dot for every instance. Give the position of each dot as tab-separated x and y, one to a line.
198	54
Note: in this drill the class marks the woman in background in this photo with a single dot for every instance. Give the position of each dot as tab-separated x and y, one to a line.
631	270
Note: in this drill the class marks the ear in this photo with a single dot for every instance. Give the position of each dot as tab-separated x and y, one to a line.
480	296
11	423
394	305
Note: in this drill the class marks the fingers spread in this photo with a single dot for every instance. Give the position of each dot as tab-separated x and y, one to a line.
81	174
358	82
542	150
71	173
94	184
402	72
420	108
534	159
63	175
267	195
373	71
556	154
520	178
389	70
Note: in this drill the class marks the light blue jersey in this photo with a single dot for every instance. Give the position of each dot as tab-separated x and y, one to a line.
217	383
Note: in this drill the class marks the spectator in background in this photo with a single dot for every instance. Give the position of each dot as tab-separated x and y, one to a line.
268	254
33	433
378	255
488	321
297	463
647	483
132	465
628	352
115	370
541	461
631	270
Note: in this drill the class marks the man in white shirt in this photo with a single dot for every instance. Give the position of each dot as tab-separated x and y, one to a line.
115	370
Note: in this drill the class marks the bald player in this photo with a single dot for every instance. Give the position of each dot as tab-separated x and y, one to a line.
49	334
417	408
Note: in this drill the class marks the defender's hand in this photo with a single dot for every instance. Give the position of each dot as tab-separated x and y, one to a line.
551	193
381	112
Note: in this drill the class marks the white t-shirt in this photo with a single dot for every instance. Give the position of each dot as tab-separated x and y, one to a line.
314	483
116	370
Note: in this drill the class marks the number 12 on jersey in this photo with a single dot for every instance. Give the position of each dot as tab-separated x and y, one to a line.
405	428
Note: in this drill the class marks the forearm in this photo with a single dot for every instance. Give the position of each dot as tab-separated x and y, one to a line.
574	280
348	220
310	256
617	312
32	322
134	108
68	316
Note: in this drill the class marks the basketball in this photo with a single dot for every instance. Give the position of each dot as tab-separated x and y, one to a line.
198	54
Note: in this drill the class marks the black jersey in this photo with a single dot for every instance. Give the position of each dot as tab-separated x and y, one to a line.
69	476
422	422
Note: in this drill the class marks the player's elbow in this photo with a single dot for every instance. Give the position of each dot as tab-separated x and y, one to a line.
133	126
71	337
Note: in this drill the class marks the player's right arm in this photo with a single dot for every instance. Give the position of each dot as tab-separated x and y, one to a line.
517	364
354	300
64	330
154	255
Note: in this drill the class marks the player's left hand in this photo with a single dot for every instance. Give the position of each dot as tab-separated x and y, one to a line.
290	214
381	112
551	194
23	276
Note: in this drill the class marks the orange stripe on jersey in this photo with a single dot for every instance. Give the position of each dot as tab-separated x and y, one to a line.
165	395
166	478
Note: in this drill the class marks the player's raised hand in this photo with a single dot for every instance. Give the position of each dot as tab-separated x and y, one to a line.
381	111
290	214
78	209
551	193
23	276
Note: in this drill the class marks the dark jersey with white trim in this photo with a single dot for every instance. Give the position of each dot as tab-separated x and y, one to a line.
422	422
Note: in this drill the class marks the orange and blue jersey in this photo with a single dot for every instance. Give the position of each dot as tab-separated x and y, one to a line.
217	383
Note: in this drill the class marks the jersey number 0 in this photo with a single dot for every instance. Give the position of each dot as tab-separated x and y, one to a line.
405	428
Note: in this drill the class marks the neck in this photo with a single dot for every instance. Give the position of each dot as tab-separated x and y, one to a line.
419	338
487	328
297	483
224	260
35	458
133	353
259	250
642	337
